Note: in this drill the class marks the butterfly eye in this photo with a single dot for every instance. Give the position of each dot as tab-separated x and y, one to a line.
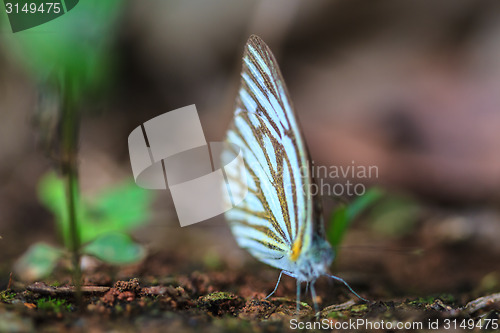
322	252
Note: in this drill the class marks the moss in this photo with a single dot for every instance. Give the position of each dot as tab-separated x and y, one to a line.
336	315
447	298
7	296
53	305
423	301
290	300
428	300
220	303
217	296
359	308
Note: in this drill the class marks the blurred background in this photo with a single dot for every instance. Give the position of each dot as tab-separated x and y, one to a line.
412	87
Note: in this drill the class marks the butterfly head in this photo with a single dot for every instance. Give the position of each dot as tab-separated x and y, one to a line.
315	260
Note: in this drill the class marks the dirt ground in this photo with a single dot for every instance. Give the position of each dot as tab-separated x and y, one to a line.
168	292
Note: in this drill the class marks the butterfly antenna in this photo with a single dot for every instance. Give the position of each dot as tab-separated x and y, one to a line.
348	286
298	296
313	295
275	288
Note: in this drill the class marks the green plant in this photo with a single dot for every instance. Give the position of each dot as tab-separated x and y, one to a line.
105	219
6	296
69	59
53	305
342	217
395	215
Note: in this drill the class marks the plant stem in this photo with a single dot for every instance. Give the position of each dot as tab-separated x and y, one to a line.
69	129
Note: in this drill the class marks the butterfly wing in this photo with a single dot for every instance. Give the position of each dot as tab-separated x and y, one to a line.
275	221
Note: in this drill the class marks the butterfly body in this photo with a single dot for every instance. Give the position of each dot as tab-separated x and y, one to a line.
280	220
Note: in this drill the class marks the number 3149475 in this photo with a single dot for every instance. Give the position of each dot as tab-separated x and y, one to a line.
32	8
485	324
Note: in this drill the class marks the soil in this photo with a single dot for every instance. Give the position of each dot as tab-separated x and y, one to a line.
221	300
433	275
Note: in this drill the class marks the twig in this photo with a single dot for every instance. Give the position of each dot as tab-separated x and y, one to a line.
42	288
483	302
9	285
338	307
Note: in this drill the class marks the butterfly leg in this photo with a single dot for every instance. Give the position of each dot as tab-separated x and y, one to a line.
313	295
298	287
275	288
298	296
348	286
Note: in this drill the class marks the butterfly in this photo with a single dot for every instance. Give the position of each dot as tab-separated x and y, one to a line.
280	221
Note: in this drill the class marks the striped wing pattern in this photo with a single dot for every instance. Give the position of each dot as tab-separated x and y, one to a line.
275	221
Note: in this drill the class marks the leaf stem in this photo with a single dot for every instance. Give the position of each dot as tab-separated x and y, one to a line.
69	131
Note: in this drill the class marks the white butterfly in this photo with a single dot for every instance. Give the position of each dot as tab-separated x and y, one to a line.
280	221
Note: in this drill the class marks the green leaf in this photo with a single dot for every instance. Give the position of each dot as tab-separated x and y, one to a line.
51	193
396	216
116	248
38	261
71	49
119	209
338	226
342	217
363	202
